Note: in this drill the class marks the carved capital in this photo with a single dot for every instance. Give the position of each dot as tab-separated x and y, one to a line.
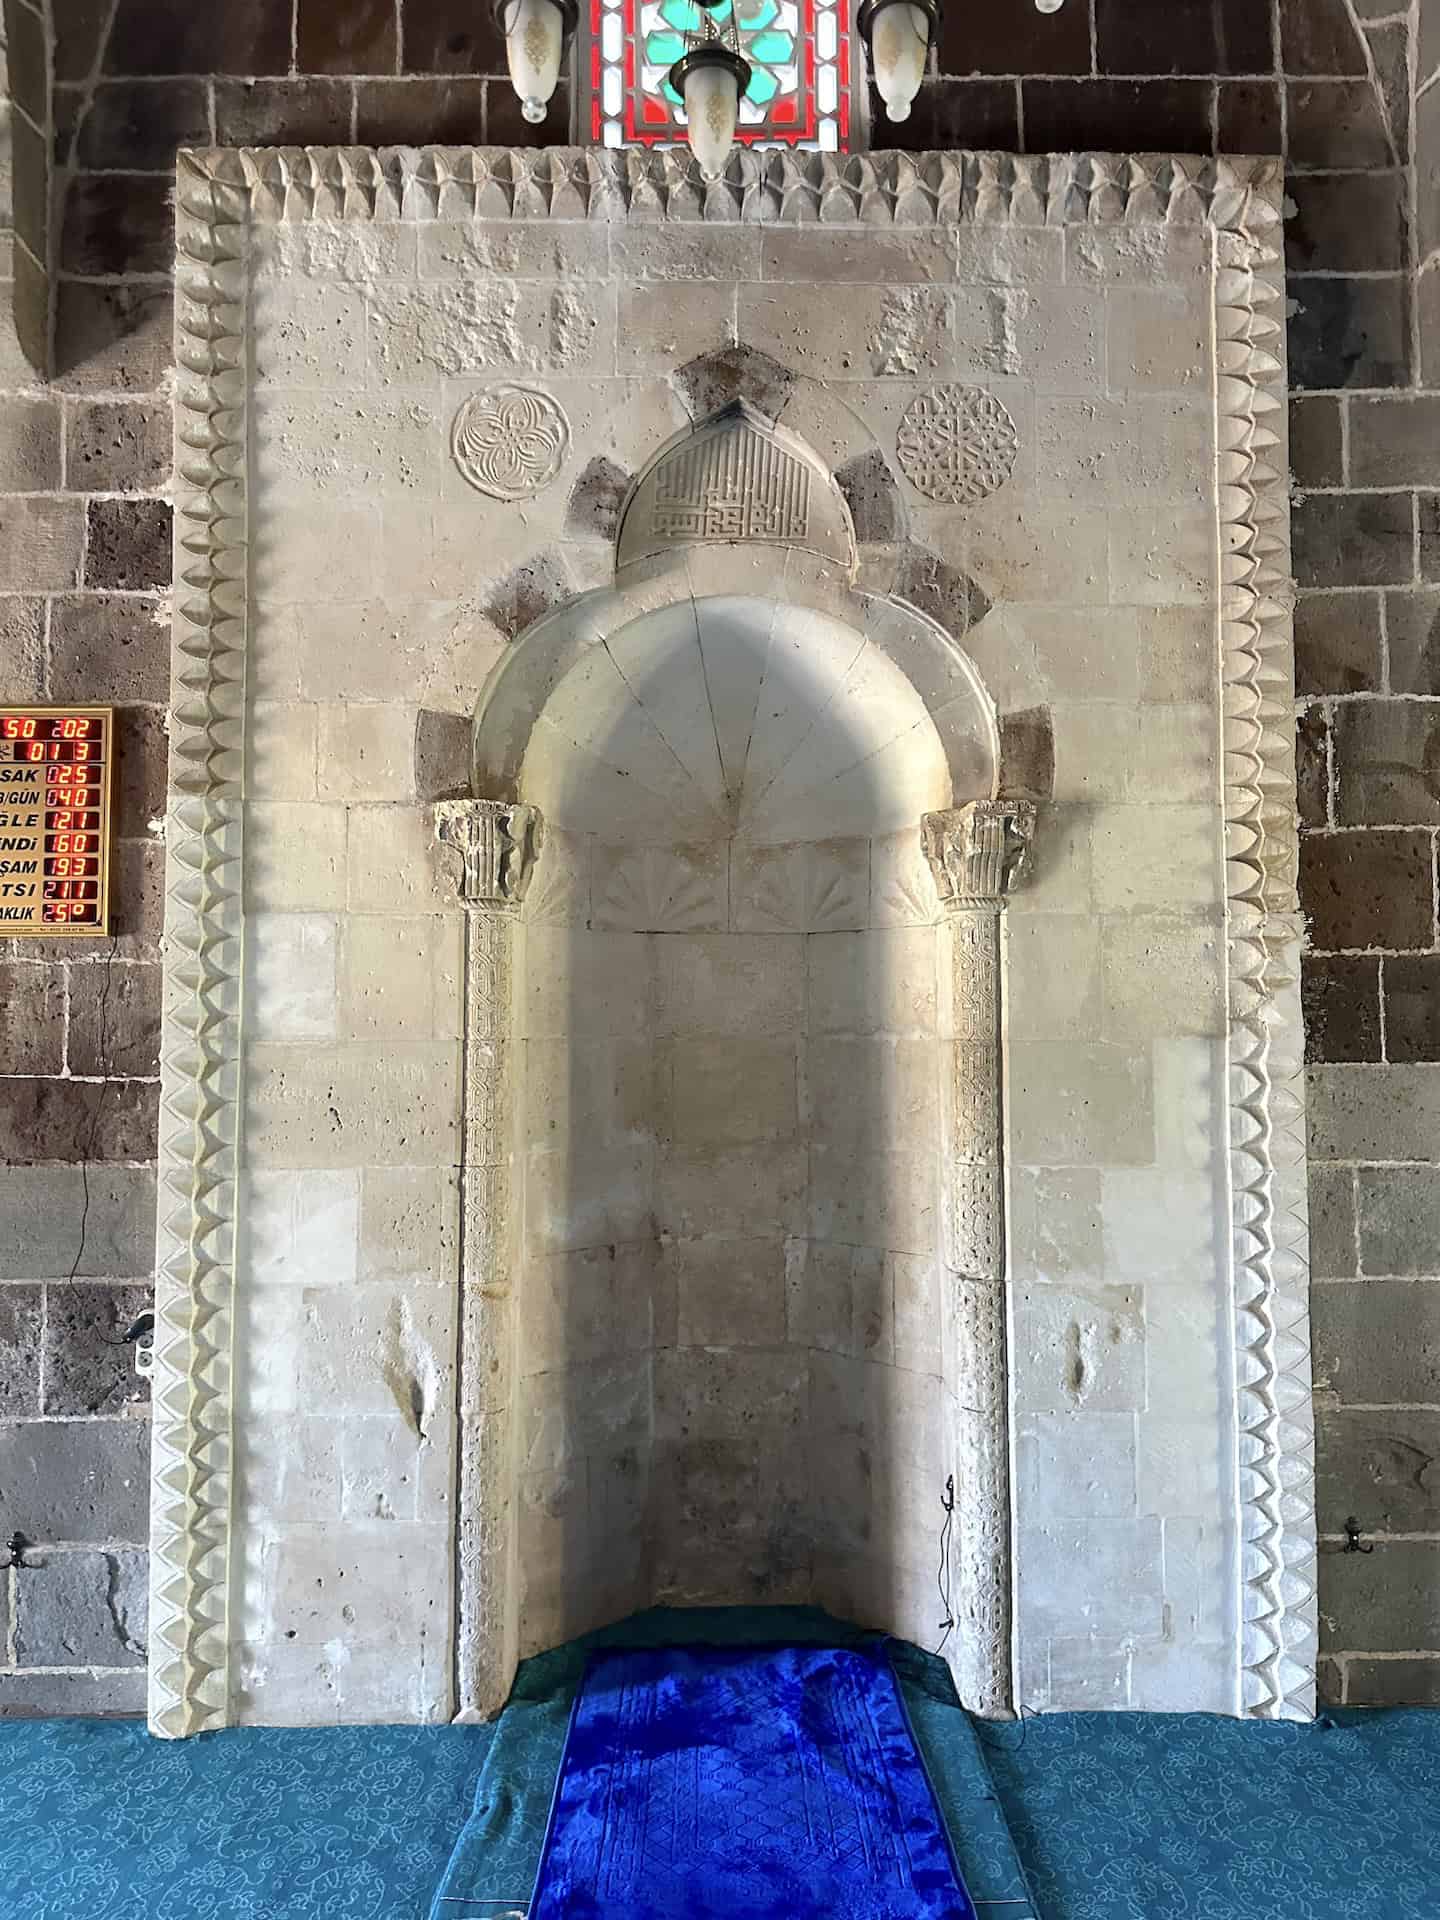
497	841
978	852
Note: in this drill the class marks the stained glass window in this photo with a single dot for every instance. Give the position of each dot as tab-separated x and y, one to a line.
799	53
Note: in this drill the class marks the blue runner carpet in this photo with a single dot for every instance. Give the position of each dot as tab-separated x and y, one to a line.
782	1783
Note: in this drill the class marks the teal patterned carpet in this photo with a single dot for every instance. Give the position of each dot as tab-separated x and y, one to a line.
1113	1816
100	1822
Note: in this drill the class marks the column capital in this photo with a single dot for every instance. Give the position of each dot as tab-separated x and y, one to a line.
497	841
978	852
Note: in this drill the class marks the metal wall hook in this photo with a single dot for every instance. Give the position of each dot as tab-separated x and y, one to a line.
19	1547
1352	1538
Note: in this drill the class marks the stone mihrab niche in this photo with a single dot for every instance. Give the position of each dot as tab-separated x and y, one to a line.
834	1028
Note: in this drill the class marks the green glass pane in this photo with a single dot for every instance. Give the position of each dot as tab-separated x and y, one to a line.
670	94
762	88
752	15
682	15
664	49
774	47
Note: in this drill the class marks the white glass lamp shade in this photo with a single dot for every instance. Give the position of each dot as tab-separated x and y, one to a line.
534	46
899	42
712	108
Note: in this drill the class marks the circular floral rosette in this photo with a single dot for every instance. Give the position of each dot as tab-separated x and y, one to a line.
510	442
956	444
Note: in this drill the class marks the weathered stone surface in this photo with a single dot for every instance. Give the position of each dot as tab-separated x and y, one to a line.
116	224
100	1696
1400	1220
104	647
1412	634
83	1480
1333	1244
69	1121
40	1211
128	544
596	499
1387	764
22	645
29	445
1346	222
1377	1341
1374	1113
1348	331
1368	889
1395	441
442	755
949	596
874	500
83	1609
1382	1468
1393	1683
20	1322
142	748
1412	1007
1312	766
111	338
118	447
1341	998
1338	644
1316	442
735	373
533	589
32	1017
40	544
1353	539
1382	1602
115	1021
88	1366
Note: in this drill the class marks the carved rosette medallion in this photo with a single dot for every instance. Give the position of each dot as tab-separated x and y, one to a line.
510	441
956	444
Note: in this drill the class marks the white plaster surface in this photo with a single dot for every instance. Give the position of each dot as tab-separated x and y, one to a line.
730	1303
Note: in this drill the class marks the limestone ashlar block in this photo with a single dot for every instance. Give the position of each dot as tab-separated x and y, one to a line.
1377	1342
309	443
1054	979
1156	339
409	1224
358	1105
1161	975
41	544
398	977
589	1196
308	333
77	1480
353	253
820	886
355	1351
1026	546
392	864
345	543
588	1304
901	331
599	985
809	255
84	1609
295	856
1081	1103
588	1092
1163	1226
1102	1576
1374	1112
44	1120
387	1587
728	1092
1082	1352
301	1226
1167	258
1055	1225
841	1299
1153	858
876	1199
742	1192
730	983
525	250
570	1412
1183	1467
32	1018
1076	1466
883	981
427	331
877	1087
290	976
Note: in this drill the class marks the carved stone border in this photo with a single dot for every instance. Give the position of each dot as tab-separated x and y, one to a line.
219	194
200	1055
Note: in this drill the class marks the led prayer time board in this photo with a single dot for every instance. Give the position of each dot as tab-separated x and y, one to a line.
55	768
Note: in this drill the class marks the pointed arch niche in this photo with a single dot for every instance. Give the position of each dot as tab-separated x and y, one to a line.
734	1313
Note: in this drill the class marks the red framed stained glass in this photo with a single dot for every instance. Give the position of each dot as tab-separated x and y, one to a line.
799	54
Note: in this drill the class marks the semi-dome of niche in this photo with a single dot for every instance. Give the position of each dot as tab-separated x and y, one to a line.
735	476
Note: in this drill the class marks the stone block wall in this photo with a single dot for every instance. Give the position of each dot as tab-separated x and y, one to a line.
1340	86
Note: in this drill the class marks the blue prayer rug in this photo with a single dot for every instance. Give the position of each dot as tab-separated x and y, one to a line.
710	1783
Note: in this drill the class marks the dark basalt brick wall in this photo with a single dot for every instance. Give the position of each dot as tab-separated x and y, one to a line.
1341	87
